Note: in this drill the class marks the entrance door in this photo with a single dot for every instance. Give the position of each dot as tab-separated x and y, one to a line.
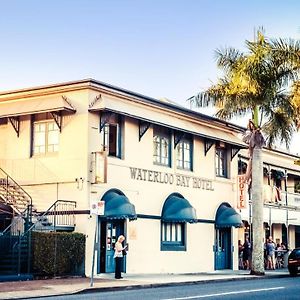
109	233
223	249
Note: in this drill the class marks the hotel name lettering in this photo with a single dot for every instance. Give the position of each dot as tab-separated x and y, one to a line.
168	178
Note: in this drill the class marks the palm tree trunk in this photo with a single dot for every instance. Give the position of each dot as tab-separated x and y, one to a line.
257	267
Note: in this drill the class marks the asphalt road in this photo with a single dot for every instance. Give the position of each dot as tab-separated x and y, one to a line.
279	288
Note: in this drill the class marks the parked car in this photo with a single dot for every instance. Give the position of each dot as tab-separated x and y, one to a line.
294	261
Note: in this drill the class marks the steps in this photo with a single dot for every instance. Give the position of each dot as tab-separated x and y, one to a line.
13	194
15	254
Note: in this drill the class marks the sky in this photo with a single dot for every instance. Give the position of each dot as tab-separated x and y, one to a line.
159	48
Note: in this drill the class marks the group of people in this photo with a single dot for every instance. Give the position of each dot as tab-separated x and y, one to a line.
273	254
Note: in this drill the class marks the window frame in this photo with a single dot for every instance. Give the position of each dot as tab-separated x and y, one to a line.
162	134
168	245
180	163
224	161
118	123
47	122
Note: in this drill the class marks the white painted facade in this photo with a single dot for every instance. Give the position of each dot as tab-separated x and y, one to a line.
69	173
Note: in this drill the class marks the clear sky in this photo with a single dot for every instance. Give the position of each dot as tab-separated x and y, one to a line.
160	48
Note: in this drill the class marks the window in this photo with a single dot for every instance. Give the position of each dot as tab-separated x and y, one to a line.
173	236
296	185
184	155
161	147
45	137
112	136
221	162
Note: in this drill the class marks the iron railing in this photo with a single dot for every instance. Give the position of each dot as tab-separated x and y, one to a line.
17	240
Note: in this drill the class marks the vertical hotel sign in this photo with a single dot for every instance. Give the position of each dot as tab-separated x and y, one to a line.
241	191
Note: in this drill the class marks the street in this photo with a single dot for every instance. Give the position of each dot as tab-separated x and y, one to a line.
279	288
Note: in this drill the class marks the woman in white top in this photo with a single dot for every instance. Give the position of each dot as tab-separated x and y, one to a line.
118	256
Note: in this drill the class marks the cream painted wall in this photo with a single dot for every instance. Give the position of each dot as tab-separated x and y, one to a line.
51	177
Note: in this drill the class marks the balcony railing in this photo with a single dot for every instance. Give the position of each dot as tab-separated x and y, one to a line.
273	196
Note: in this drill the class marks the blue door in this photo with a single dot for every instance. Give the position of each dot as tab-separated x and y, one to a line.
223	249
109	233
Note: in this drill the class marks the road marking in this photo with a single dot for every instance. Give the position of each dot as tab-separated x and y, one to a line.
228	293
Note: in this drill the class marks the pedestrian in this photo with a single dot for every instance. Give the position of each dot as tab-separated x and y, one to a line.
118	256
240	247
271	254
246	254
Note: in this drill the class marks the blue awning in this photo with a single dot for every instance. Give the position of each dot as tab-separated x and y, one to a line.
177	209
117	206
227	217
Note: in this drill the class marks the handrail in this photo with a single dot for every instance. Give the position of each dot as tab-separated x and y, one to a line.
6	230
9	177
46	212
17	244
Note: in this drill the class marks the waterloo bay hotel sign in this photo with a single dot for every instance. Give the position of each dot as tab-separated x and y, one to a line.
171	179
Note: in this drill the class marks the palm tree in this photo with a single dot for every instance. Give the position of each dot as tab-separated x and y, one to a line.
258	82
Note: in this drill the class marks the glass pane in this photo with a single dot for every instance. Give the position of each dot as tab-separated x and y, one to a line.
173	236
168	232
179	232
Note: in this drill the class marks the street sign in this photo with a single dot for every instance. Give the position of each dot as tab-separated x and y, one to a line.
97	208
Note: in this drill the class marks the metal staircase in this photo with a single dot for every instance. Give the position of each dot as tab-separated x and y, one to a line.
11	193
15	239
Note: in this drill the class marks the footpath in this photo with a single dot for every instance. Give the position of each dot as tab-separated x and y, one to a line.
106	282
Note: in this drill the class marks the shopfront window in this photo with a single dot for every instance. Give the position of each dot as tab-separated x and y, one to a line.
173	236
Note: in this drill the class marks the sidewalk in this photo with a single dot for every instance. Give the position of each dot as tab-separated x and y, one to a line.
105	282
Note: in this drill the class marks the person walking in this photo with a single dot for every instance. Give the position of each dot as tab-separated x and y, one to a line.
118	256
246	254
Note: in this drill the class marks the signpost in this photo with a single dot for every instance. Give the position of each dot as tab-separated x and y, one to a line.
97	208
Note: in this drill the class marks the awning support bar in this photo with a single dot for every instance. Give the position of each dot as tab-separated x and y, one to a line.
207	145
178	136
15	122
104	118
143	127
234	152
57	116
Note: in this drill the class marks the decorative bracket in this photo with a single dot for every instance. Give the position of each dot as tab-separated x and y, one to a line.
234	152
207	145
178	136
143	127
15	122
97	98
104	118
57	116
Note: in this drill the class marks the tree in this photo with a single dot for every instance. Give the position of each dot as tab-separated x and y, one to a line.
263	82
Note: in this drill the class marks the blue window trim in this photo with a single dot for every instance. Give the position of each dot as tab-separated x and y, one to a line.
191	142
217	161
120	136
163	133
173	246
